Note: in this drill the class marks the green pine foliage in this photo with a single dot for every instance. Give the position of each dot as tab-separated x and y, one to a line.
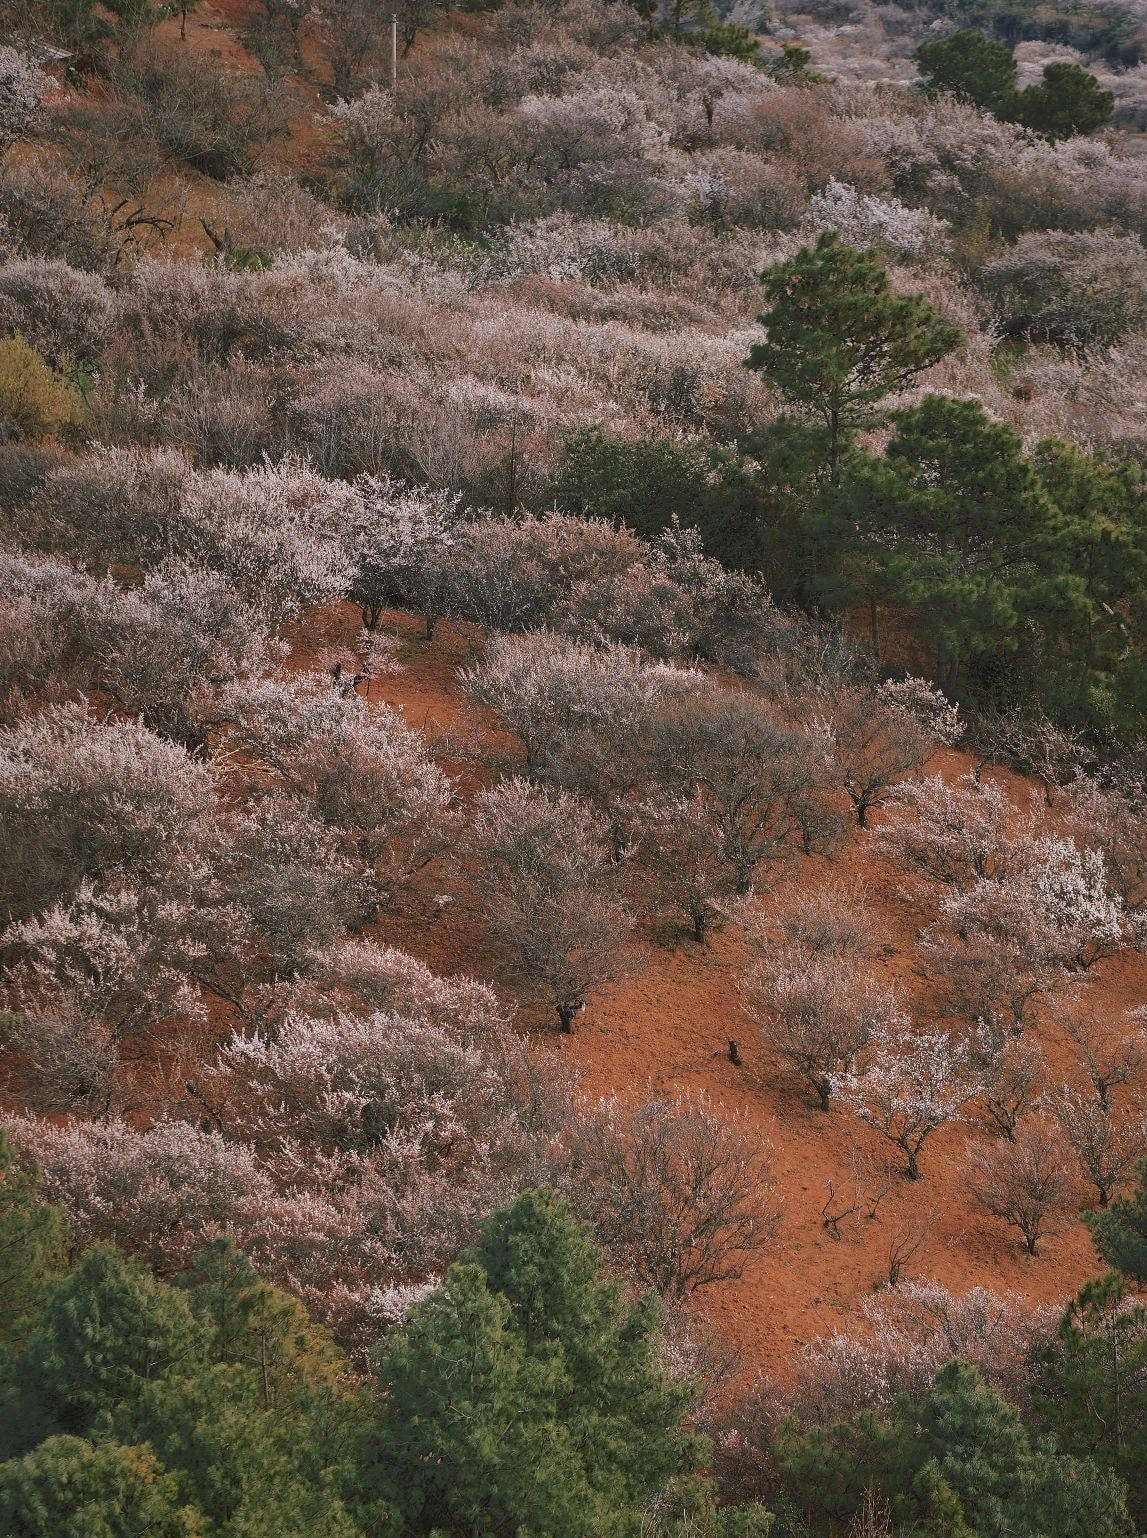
648	483
1011	572
971	67
1068	101
526	1394
68	1488
31	1246
953	525
839	341
958	1463
1089	1384
107	1328
977	69
1120	1231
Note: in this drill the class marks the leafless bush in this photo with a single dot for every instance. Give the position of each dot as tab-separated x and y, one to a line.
1032	744
1112	817
679	1191
879	735
513	576
160	645
1108	1058
290	881
759	780
816	1013
576	708
1023	1180
679	851
74	1061
1107	1142
215	119
223	415
272	214
1014	1073
116	505
1076	290
545	879
823	921
48	213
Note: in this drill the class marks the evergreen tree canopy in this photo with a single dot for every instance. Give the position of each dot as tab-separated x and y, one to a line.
1120	1231
1089	1384
108	1328
1068	101
976	69
31	1246
526	1394
972	68
839	340
957	1463
66	1488
954	524
647	482
248	1471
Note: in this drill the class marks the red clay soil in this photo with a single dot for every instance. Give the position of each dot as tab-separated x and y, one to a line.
666	1029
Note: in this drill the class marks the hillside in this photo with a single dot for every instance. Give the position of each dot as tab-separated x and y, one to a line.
573	695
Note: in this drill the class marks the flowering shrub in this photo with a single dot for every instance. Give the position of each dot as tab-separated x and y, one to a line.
1054	905
279	534
905	1335
955	832
908	1084
65	314
817	1013
366	774
861	219
23	86
79	798
402	540
160	1193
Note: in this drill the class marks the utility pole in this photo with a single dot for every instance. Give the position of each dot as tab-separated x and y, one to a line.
394	51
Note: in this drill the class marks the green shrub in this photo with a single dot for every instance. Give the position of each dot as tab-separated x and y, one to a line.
35	403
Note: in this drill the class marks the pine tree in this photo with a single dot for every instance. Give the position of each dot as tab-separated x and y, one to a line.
108	1328
525	1393
956	1462
953	524
31	1246
66	1488
1089	1384
839	340
248	1470
1120	1231
1068	101
972	68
